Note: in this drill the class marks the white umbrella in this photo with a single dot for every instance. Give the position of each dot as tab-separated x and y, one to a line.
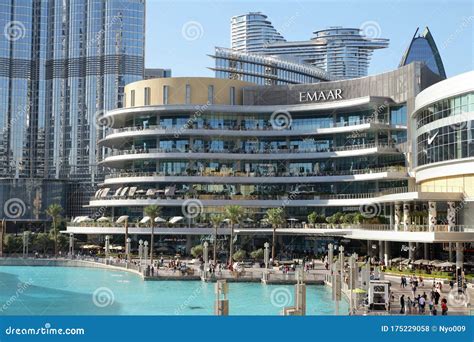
104	219
226	220
122	219
445	264
145	219
421	261
84	219
175	219
159	220
292	219
248	219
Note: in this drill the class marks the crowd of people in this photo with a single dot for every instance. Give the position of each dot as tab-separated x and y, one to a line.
417	304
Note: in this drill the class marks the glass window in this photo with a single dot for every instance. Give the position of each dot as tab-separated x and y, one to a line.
232	96
210	94
132	98
188	94
165	94
147	96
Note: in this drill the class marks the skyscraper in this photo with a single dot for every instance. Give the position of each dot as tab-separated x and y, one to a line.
62	64
251	32
423	48
342	52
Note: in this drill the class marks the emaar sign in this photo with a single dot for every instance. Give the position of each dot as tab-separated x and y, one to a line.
321	96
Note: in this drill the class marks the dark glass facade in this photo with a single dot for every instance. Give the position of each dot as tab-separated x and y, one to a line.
62	64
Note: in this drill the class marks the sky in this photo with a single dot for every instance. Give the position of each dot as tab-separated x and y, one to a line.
181	34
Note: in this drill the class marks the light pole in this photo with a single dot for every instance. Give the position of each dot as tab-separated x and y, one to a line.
140	251
145	250
71	245
107	241
25	243
128	248
205	257
266	254
330	255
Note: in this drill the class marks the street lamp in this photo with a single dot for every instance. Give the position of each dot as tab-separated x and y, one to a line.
107	241
25	243
128	249
205	256
145	250
140	250
266	253
71	245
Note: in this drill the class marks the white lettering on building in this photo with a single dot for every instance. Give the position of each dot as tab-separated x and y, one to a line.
321	96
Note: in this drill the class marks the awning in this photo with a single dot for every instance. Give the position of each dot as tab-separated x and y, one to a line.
132	190
175	219
122	219
145	219
124	191
160	220
150	192
117	192
105	192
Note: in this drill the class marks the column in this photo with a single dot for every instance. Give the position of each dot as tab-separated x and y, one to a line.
369	249
381	252
431	216
406	216
426	251
411	250
398	215
459	255
451	216
450	251
386	255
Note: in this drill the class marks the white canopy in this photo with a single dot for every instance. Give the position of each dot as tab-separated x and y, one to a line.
122	219
248	219
421	261
84	219
292	219
445	264
159	220
175	219
145	219
104	219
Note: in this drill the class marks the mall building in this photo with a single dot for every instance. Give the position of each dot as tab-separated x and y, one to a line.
385	160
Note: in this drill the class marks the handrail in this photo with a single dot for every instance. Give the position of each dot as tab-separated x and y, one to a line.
241	151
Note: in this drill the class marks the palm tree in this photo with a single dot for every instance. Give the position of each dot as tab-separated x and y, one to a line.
54	211
276	217
125	222
152	211
216	221
234	214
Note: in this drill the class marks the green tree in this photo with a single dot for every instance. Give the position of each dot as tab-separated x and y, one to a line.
152	211
54	211
239	255
234	213
13	243
313	218
197	251
257	254
216	221
276	217
42	242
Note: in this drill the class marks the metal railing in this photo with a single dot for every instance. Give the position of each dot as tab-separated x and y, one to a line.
234	173
134	151
268	127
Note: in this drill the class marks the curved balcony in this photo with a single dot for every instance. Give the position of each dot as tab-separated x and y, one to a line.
238	177
120	135
116	157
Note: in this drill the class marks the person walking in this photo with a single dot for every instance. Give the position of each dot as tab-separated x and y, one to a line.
409	305
444	307
421	304
402	304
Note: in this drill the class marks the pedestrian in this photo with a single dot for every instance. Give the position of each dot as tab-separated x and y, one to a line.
451	284
444	307
409	305
402	304
421	304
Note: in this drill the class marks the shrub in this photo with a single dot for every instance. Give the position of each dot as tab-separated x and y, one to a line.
257	254
197	251
239	255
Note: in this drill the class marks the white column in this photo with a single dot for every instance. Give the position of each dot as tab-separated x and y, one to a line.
451	216
406	216
459	255
450	251
398	215
411	250
431	216
386	255
381	253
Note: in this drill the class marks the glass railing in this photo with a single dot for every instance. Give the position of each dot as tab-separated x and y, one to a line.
234	173
267	127
243	151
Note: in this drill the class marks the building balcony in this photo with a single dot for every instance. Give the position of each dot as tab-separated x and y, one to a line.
241	177
115	157
121	135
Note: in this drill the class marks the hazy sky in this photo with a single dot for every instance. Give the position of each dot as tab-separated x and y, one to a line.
180	34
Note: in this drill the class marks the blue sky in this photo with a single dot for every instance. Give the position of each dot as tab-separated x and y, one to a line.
180	34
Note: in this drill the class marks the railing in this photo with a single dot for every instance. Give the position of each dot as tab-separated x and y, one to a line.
233	173
242	151
299	225
268	127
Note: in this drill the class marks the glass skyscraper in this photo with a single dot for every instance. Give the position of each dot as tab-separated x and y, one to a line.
423	48
62	64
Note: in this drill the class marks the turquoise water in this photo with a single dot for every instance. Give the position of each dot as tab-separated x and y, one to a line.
87	291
